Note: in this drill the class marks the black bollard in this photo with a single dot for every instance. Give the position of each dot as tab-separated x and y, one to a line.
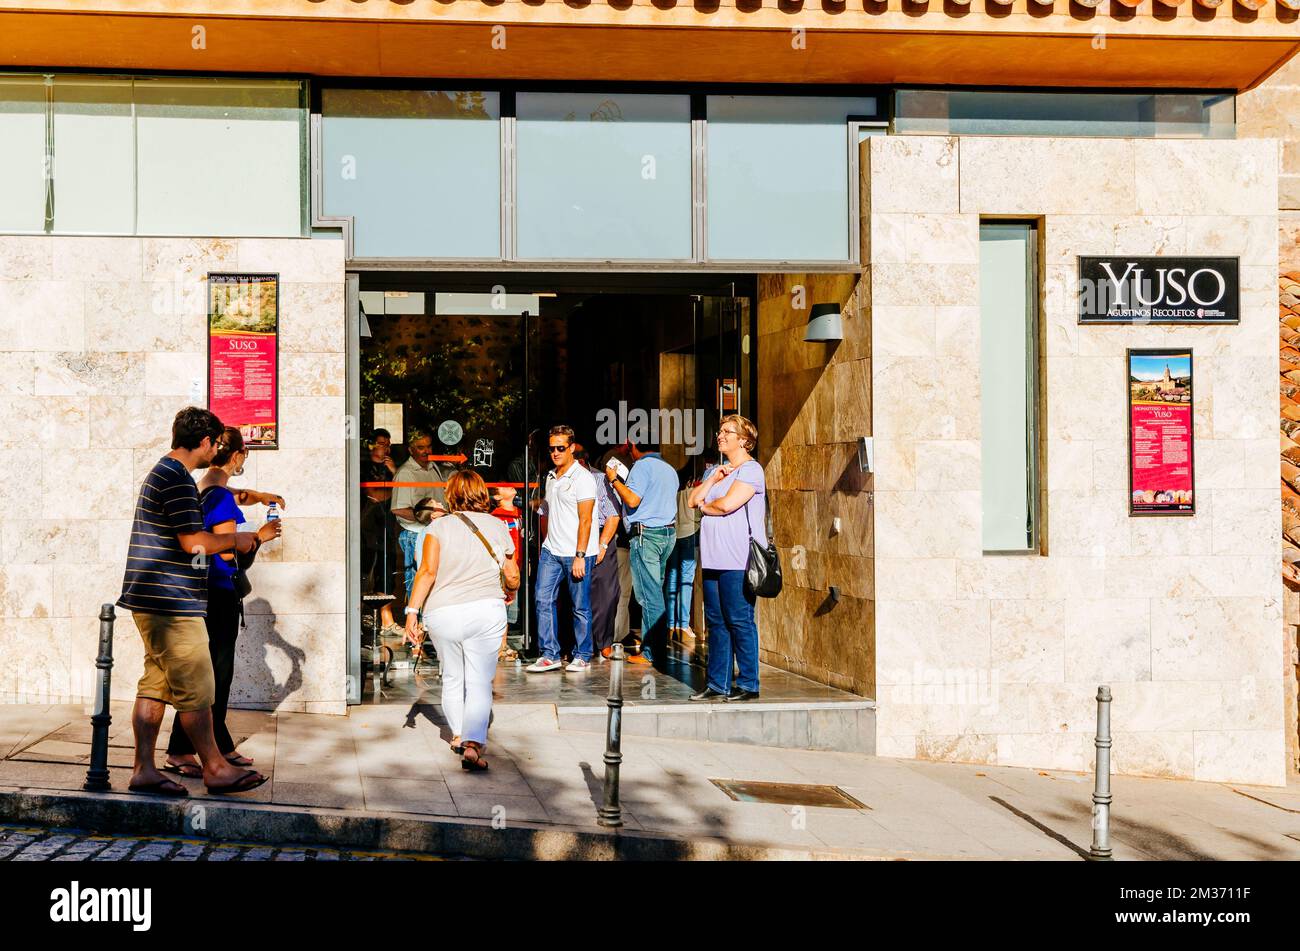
97	775
611	813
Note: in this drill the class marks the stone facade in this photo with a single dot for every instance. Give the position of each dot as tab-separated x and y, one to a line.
996	659
102	340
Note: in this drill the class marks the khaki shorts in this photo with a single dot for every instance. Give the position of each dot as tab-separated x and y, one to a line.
177	664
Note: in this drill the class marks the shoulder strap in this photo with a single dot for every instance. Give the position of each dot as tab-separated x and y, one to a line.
479	535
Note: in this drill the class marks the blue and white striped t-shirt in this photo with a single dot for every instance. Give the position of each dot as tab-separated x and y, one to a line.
161	577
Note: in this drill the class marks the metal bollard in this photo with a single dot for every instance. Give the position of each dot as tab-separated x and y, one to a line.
1100	851
97	775
611	813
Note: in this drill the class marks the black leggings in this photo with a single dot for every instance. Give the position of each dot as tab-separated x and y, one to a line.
223	629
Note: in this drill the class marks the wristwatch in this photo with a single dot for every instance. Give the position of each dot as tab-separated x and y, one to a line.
411	610
580	555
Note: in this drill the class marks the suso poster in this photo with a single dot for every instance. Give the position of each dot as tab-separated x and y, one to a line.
243	361
1161	461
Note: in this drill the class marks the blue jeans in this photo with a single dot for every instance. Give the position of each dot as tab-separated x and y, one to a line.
681	583
729	612
406	541
649	554
550	572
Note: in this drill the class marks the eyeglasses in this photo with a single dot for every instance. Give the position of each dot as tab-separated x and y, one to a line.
728	432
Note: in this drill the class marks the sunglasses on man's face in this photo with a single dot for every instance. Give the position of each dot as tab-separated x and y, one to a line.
555	449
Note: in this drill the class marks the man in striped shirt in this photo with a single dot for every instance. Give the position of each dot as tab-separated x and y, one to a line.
165	589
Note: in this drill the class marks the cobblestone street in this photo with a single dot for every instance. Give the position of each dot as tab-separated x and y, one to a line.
35	844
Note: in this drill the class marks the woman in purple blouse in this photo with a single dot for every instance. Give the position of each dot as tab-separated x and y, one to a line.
731	499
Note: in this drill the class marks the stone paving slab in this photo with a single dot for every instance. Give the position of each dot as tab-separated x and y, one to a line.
383	778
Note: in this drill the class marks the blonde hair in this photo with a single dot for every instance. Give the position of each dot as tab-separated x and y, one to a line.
466	492
747	430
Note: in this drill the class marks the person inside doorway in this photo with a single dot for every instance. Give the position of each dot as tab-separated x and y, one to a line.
420	468
649	497
604	574
568	554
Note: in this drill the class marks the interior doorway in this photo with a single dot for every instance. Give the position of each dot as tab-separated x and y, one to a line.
486	364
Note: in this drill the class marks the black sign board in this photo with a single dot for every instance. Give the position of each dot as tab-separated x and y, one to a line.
1158	290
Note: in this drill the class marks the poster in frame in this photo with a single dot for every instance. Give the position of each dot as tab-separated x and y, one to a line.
243	355
1161	424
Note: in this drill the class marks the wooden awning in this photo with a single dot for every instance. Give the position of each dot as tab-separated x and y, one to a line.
945	42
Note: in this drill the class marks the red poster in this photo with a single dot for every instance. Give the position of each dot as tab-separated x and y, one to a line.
243	323
1160	432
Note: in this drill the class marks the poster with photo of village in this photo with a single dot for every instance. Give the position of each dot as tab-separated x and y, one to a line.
1160	432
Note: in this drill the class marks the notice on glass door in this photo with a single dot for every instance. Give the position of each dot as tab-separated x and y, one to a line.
1160	432
243	366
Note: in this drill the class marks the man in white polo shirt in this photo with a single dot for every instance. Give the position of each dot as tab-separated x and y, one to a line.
568	553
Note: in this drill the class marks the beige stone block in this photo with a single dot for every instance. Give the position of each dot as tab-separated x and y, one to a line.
32	542
71	373
898	747
1066	751
1164	706
1106	640
1152	235
1065	237
1221	464
1245	521
1211	639
1028	641
305	539
135	422
1252	703
915	397
18	374
933	708
296	260
114	534
1069	466
312	318
1163	755
34	662
1037	708
188	261
888	239
176	375
1224	576
1257	757
1288	190
1261	465
96	259
50	422
943	285
956	331
20	469
1094	526
295	588
132	317
1178	176
1036	176
948	465
913	173
311	422
924	239
895	464
42	315
928	524
920	641
1245	395
26	258
89	485
286	658
916	579
312	481
26	591
903	331
966	748
82	592
312	374
1085	398
1251	237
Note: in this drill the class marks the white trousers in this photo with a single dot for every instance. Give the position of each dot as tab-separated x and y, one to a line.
467	637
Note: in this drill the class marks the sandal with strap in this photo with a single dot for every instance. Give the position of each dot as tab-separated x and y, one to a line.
475	763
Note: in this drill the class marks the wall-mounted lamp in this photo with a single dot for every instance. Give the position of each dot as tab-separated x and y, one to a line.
824	324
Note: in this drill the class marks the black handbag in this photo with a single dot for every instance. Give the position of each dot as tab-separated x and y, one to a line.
763	570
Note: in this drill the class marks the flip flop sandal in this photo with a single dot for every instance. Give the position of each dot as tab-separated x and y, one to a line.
250	780
477	764
238	759
164	787
180	770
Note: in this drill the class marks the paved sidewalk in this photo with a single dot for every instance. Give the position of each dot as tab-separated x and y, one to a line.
392	762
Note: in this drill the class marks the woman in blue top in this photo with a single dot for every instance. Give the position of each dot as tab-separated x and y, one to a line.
221	514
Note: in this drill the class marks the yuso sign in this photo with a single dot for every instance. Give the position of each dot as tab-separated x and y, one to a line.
1158	290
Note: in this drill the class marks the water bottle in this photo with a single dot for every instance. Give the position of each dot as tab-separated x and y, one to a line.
272	512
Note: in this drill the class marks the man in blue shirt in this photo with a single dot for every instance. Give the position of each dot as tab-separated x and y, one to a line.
649	498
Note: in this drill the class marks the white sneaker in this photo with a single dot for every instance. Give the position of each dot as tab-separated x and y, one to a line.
543	665
578	665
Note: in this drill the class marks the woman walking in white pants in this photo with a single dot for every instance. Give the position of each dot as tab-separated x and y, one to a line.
464	575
